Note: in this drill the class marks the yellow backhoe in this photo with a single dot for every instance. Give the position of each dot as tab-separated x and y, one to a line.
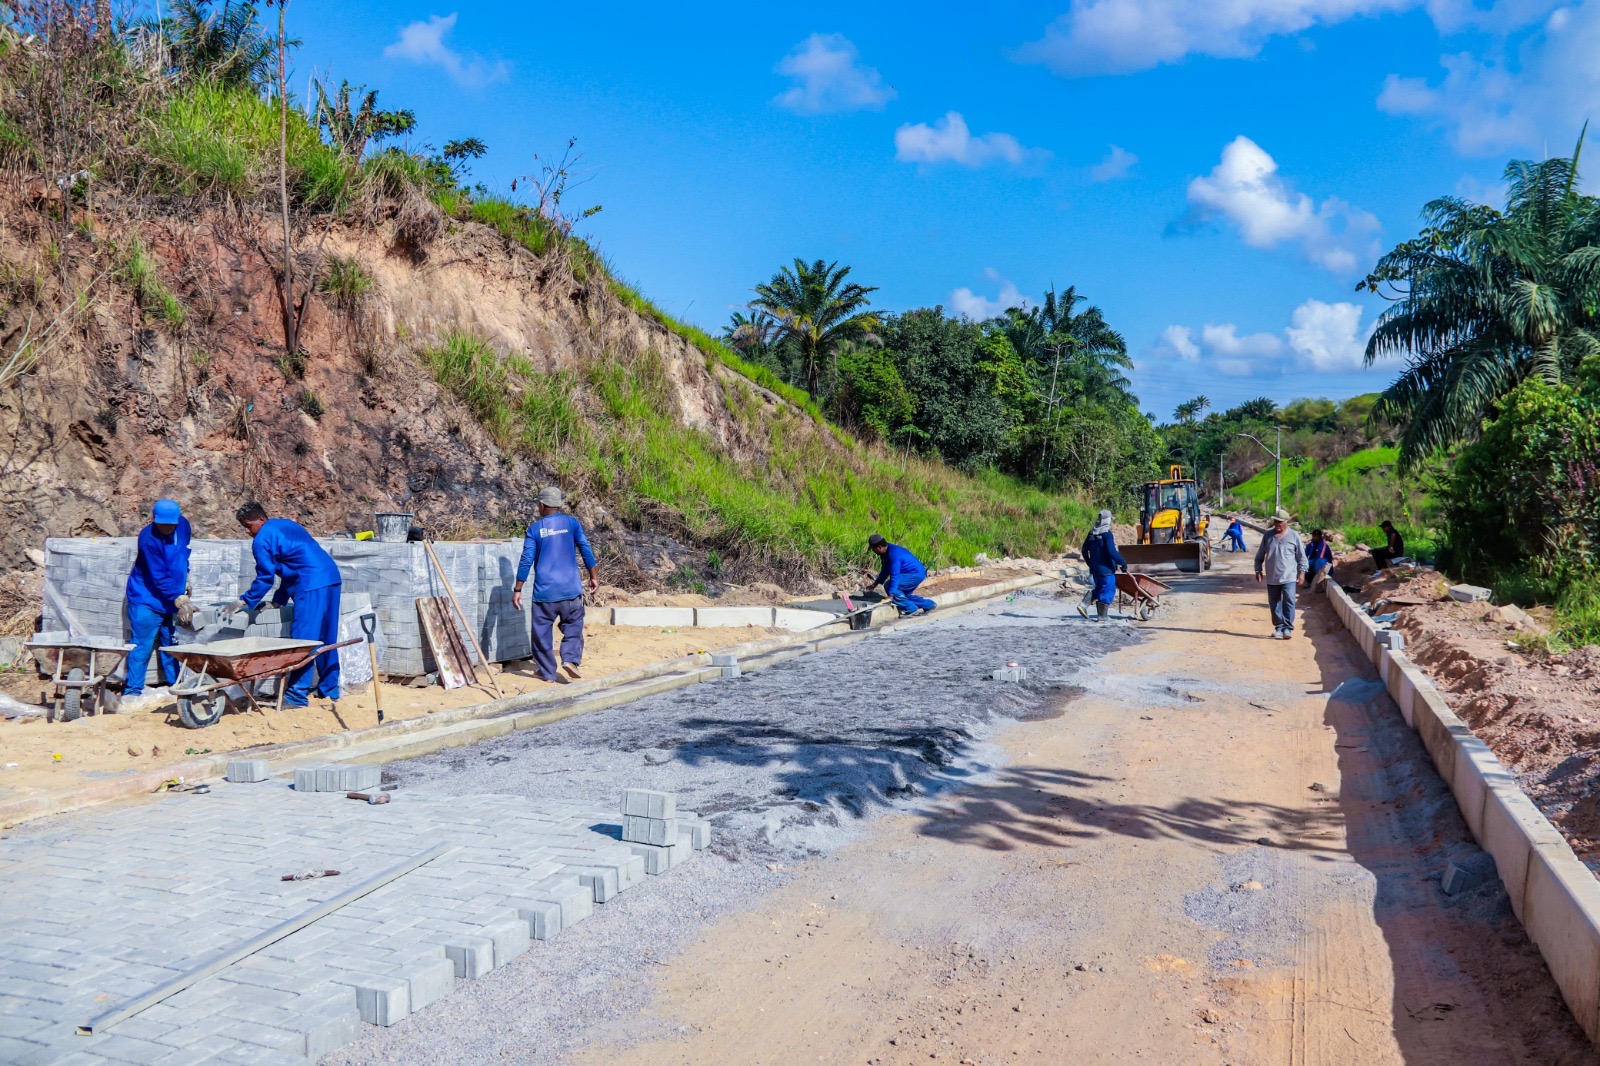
1172	530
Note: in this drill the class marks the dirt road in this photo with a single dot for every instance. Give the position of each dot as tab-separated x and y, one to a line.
1225	850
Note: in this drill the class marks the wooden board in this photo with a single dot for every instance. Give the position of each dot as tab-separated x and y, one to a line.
444	641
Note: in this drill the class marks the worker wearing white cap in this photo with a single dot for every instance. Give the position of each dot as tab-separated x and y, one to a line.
550	551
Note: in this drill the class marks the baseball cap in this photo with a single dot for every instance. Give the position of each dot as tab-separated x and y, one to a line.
165	512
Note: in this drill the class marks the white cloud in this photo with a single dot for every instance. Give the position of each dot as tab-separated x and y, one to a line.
1321	337
1328	337
1117	163
1120	36
423	42
1246	190
950	141
1492	106
828	77
1179	340
978	308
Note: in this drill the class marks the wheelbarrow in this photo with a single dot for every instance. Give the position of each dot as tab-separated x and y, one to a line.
79	667
1142	592
242	662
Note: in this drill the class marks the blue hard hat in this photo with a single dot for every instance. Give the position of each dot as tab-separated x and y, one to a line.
165	512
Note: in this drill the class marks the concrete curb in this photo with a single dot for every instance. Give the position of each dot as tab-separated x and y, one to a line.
410	738
1552	892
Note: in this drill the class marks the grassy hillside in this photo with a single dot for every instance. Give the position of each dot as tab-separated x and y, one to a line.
1352	494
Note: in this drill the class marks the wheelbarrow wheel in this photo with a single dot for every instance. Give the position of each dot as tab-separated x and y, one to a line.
1143	610
72	702
197	712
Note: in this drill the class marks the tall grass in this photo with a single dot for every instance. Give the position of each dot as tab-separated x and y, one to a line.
515	222
807	507
149	292
213	140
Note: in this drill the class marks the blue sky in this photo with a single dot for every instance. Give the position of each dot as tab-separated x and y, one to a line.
1215	174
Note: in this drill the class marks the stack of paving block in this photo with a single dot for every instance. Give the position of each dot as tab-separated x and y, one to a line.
727	664
91	575
335	777
655	830
1011	673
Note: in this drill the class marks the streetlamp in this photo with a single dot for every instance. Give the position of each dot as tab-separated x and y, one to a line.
1277	471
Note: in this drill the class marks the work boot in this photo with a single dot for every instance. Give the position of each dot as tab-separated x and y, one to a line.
1102	611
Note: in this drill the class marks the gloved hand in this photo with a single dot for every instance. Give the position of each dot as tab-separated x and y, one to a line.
184	609
233	607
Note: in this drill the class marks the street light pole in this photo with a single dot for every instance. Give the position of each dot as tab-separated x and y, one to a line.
1277	472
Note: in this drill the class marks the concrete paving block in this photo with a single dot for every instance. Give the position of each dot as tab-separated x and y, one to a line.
1456	880
429	979
657	617
471	955
648	803
576	904
542	915
246	771
601	881
733	617
1470	594
696	829
330	1029
1561	912
724	660
1439	729
629	867
382	1000
1010	673
658	860
305	779
510	939
1476	771
361	777
662	832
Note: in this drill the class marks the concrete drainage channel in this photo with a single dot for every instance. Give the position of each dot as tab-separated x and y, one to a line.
1552	893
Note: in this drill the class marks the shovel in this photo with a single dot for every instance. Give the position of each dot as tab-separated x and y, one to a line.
369	629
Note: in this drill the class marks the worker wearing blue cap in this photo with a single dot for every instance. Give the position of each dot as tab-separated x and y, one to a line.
157	593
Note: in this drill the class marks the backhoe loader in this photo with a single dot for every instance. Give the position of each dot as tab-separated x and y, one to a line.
1172	529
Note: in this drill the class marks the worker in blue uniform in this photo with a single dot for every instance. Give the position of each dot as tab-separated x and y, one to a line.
550	552
157	594
1101	555
306	575
900	575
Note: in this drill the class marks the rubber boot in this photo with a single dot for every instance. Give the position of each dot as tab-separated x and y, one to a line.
1102	611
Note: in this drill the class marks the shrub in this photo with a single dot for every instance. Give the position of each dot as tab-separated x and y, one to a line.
345	282
153	297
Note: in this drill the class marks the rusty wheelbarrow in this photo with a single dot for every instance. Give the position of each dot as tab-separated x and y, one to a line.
79	667
242	662
1142	592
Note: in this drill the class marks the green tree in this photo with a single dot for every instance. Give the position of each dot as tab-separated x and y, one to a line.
226	45
815	311
351	119
1486	299
940	360
872	394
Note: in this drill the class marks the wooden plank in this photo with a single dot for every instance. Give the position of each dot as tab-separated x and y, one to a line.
444	641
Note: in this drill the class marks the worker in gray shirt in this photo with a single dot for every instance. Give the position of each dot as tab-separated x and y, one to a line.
1281	562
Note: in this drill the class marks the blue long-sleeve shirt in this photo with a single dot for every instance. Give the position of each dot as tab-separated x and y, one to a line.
284	550
1100	552
1318	553
550	550
160	571
902	567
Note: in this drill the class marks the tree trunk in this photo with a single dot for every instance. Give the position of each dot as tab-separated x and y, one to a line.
291	324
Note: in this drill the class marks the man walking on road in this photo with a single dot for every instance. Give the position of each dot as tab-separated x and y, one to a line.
550	551
157	597
307	575
1280	561
1101	555
900	575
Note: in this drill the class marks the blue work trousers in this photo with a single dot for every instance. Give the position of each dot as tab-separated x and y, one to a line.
316	617
151	629
1235	541
1105	587
569	613
1280	598
900	592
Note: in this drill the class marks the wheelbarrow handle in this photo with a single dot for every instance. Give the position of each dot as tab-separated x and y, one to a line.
341	644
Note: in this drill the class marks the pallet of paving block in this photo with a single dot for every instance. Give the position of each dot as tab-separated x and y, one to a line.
444	640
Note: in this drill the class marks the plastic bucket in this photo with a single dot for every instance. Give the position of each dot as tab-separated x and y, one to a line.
392	526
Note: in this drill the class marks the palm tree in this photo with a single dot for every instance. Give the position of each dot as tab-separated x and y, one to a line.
226	46
1078	352
814	311
1188	411
1486	299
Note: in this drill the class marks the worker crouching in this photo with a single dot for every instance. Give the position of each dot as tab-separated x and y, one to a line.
900	575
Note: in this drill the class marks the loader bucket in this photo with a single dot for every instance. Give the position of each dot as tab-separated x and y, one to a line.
1147	558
